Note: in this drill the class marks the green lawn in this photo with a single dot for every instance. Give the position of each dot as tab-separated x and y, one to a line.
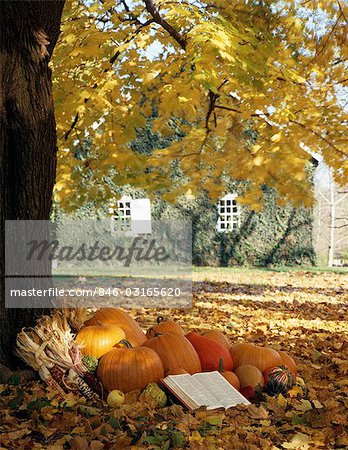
201	271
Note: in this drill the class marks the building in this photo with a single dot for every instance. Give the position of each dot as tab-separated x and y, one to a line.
227	234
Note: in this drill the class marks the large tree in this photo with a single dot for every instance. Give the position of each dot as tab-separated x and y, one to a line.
253	86
29	31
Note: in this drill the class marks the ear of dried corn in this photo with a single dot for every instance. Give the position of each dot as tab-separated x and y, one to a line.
50	349
76	317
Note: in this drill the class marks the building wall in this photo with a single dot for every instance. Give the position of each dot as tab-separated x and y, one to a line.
274	237
277	236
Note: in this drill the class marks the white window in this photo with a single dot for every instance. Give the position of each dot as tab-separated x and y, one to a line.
124	208
132	215
229	214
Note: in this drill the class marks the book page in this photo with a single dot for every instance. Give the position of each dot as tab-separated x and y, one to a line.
221	389
191	391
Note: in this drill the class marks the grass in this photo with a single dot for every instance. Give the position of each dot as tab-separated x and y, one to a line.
236	270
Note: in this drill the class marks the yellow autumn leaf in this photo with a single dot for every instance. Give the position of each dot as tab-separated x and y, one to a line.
276	137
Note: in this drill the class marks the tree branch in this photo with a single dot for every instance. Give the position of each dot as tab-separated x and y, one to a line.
152	9
72	126
342	12
127	41
112	60
320	136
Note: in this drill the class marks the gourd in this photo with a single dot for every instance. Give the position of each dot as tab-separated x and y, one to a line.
218	336
210	353
95	340
175	351
115	398
128	369
260	357
278	380
118	317
164	326
249	375
288	362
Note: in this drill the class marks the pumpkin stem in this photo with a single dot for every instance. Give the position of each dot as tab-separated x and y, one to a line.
160	319
221	365
155	334
126	343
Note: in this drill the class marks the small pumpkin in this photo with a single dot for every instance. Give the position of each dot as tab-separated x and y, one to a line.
229	376
210	353
218	336
120	318
175	351
95	340
260	357
128	369
288	362
278	380
232	379
164	326
249	375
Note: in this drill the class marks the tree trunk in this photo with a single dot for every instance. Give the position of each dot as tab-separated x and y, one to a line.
29	31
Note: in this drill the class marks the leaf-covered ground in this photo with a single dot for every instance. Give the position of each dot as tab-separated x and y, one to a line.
303	313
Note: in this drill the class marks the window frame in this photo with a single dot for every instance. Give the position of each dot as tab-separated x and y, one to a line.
229	214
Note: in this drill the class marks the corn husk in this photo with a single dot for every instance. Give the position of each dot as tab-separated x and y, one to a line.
76	317
50	349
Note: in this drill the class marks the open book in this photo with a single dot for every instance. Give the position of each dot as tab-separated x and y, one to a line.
208	389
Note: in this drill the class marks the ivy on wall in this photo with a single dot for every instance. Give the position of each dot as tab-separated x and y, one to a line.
273	237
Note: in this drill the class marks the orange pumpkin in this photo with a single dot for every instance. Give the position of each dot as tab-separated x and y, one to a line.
288	362
229	376
118	317
96	340
232	379
176	371
218	336
210	353
128	369
164	326
249	375
175	351
260	357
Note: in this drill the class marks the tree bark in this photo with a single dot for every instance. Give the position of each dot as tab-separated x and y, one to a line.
29	31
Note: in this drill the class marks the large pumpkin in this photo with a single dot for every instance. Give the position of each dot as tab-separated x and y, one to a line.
175	351
176	371
118	317
288	362
96	340
249	375
164	326
218	336
211	354
128	369
260	357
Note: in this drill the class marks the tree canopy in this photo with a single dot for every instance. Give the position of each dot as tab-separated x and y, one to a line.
252	88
